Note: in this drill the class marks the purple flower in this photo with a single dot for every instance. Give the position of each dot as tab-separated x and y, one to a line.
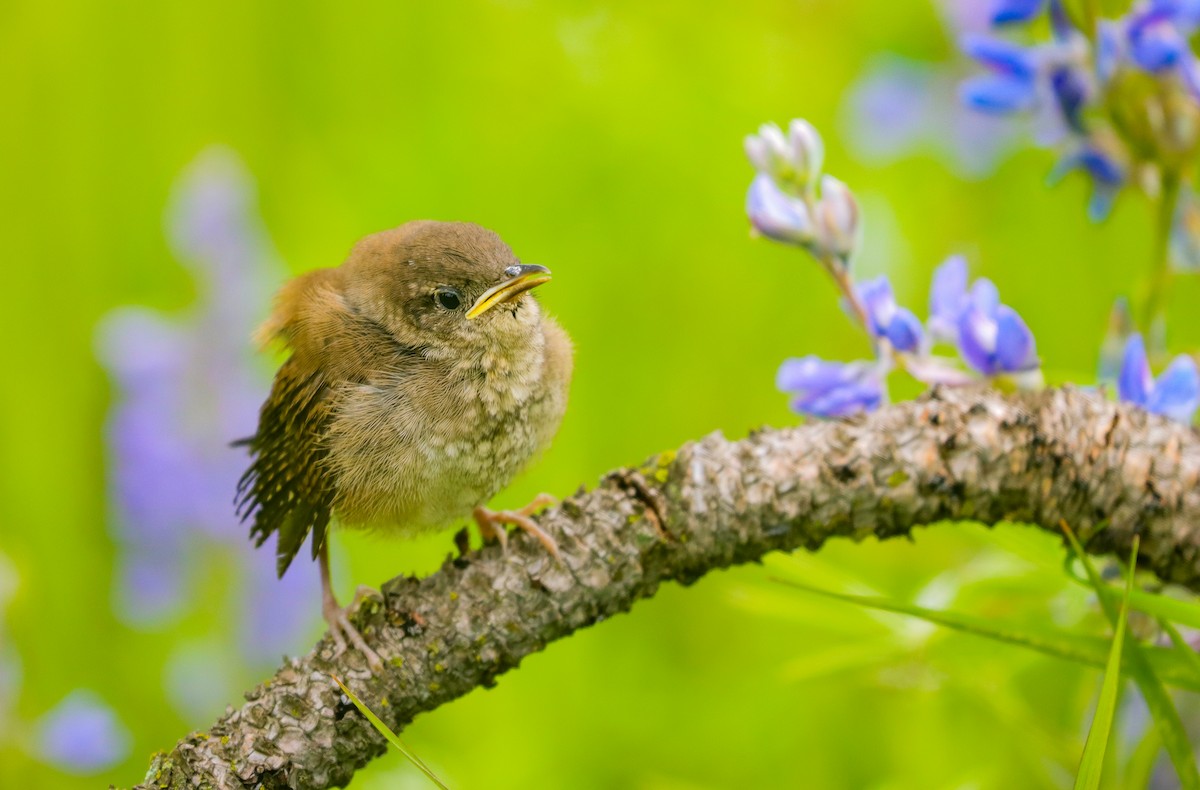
888	320
948	298
1174	394
184	387
82	735
1009	11
1156	44
1071	91
1153	37
1106	175
899	106
991	336
776	215
831	389
1011	84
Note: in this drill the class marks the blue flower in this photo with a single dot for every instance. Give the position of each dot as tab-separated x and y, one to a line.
831	389
1176	392
1009	11
888	320
777	215
948	298
82	735
1156	44
184	386
992	337
1011	84
1070	89
1107	178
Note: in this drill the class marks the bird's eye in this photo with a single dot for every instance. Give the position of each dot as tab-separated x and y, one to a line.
448	298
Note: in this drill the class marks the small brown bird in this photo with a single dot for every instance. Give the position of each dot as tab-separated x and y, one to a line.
423	375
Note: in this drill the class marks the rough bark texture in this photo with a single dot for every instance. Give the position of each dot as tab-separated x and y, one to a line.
1108	470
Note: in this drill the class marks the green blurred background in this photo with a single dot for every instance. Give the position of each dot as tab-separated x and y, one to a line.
603	140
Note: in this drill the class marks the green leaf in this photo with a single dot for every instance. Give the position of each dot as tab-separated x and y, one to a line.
1137	665
386	732
1091	765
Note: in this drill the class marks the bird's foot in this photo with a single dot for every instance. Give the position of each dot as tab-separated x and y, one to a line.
343	631
492	522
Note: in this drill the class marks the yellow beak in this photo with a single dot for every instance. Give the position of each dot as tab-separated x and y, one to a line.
520	279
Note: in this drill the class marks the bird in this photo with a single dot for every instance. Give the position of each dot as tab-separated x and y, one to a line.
421	375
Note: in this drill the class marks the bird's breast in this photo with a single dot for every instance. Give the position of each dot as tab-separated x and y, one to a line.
419	448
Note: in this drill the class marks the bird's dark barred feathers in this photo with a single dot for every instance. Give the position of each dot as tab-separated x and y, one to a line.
284	490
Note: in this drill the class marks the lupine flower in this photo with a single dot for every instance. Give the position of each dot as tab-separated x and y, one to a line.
1157	37
778	216
1009	11
991	337
82	735
1174	394
1011	83
1071	82
888	320
1106	175
948	298
783	203
899	106
831	389
184	387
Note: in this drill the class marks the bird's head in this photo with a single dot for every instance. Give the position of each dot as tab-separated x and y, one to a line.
449	287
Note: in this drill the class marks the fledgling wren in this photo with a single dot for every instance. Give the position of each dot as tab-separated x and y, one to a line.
423	375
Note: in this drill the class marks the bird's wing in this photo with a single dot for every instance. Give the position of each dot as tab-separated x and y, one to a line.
289	488
286	489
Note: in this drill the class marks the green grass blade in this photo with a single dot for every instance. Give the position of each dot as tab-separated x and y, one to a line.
1162	709
1159	606
1182	648
386	732
1091	765
1087	650
1165	608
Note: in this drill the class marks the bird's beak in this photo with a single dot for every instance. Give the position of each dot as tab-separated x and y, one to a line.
520	279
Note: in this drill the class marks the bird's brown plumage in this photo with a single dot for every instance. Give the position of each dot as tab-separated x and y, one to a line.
392	409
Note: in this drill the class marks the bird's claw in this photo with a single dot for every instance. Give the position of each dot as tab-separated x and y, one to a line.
491	523
343	632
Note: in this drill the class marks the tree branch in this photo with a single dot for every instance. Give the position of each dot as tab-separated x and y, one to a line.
1109	470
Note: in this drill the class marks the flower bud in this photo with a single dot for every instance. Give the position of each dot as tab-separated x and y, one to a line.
807	152
776	215
837	218
768	151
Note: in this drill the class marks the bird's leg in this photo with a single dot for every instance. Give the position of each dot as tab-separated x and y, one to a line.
491	523
338	619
